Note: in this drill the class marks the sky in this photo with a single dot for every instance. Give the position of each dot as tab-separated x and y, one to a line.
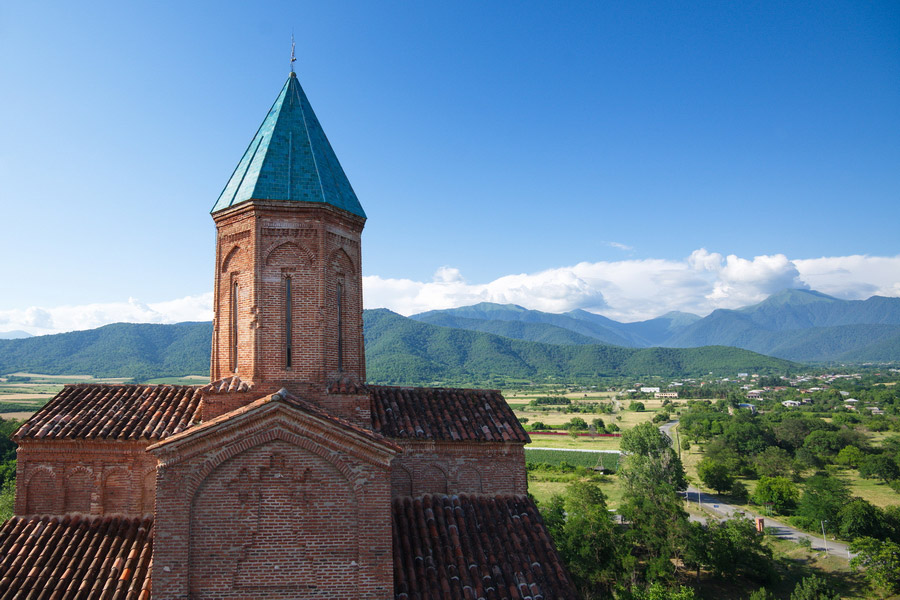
627	158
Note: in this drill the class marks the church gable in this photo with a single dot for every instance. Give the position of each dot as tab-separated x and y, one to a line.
280	500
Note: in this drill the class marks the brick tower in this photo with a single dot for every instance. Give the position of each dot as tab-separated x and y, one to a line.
288	286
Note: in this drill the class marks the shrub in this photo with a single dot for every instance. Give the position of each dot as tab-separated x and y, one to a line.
636	406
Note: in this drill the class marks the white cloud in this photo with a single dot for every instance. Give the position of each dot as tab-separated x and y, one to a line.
631	290
626	290
39	321
619	246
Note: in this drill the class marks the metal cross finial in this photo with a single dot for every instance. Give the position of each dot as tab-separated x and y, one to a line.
293	57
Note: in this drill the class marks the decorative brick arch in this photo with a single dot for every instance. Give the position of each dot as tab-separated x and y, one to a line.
289	253
432	480
193	481
42	492
469	481
401	480
292	525
233	255
340	262
118	491
79	489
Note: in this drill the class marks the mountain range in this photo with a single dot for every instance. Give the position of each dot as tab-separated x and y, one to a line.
399	350
489	344
797	325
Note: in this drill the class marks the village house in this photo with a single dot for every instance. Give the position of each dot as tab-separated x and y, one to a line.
287	476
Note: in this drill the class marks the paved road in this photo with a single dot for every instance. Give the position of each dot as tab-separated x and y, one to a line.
712	503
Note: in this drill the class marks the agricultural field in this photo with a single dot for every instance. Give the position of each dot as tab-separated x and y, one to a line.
22	394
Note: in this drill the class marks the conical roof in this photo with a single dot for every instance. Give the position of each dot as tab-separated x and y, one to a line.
290	159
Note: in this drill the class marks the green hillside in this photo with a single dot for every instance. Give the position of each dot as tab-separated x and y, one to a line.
398	350
141	351
798	325
401	350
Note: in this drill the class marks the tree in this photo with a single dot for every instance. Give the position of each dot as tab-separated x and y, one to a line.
879	466
733	546
657	591
636	406
861	519
576	423
651	476
772	462
823	497
715	475
7	500
814	588
881	561
850	456
586	536
779	492
823	443
650	457
762	594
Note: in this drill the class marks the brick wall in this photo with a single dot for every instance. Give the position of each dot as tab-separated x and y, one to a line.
260	244
458	467
269	505
99	478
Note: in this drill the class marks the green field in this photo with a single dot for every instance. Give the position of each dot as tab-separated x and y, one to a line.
590	460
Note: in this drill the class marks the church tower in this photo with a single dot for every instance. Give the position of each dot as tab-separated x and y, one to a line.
288	284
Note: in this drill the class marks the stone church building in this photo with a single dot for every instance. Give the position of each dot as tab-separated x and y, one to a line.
287	476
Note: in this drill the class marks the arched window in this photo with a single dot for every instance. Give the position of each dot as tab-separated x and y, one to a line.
288	325
340	324
234	327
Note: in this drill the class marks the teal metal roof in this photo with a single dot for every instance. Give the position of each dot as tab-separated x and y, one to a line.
290	159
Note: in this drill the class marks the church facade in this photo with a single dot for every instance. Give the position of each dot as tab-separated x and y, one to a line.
287	476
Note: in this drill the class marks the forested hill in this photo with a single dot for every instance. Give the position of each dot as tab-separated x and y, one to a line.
798	325
402	350
136	350
399	350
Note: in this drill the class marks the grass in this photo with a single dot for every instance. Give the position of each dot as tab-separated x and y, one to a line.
589	460
186	380
543	486
874	491
579	443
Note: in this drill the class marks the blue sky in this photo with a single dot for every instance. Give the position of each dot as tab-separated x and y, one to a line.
623	157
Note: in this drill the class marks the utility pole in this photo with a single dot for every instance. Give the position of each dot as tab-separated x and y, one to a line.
824	541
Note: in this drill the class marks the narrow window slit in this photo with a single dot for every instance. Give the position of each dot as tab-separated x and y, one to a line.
288	324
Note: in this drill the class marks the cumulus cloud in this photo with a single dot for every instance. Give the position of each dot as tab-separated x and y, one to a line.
39	321
631	290
626	290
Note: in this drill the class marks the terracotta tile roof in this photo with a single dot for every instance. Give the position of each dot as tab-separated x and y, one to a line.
286	397
227	385
127	412
75	557
444	414
474	547
346	385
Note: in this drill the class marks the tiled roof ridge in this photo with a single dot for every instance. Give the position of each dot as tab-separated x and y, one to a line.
127	411
75	555
437	388
228	385
474	546
285	397
346	385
